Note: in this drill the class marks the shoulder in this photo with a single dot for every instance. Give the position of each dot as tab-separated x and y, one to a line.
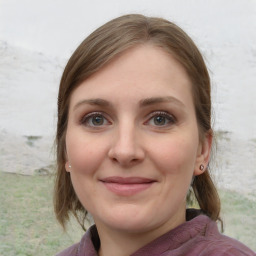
86	246
70	251
204	239
214	244
221	245
231	247
227	249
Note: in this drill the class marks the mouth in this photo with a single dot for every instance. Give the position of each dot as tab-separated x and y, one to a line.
127	186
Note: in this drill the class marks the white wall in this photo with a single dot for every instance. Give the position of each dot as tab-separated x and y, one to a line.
224	31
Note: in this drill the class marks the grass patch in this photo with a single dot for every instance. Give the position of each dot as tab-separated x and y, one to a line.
27	223
28	226
238	214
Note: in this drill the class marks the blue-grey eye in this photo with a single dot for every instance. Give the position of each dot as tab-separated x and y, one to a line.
160	120
97	120
94	119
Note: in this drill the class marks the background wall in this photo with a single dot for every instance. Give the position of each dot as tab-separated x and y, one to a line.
224	31
37	38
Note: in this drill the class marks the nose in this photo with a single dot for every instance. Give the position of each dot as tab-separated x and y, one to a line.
126	148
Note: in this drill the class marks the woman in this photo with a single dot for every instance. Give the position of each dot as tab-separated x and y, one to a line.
134	134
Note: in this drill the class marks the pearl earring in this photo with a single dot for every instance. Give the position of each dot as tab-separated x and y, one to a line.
69	166
201	167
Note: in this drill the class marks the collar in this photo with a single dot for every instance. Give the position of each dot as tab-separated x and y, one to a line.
196	225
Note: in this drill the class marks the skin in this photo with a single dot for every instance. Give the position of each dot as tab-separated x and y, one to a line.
135	118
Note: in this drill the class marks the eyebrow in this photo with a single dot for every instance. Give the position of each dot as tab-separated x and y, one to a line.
94	102
142	103
156	100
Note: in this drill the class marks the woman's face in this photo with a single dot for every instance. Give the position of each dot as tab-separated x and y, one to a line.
132	142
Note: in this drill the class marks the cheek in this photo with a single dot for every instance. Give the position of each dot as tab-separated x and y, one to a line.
84	154
176	155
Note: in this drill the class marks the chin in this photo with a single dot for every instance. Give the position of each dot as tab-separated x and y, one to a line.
127	222
131	226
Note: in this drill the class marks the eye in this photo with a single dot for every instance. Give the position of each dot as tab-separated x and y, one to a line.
161	119
95	119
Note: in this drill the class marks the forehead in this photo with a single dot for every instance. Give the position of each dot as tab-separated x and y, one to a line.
141	72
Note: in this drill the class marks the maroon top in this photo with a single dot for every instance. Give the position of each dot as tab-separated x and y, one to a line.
198	236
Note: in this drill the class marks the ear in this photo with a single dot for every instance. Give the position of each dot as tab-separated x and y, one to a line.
203	153
67	166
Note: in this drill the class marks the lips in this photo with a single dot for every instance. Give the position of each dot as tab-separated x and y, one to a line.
127	186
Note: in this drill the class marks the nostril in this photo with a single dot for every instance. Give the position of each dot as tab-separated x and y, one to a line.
114	159
126	153
125	162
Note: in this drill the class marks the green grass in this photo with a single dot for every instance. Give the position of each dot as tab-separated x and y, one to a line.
239	215
28	226
27	223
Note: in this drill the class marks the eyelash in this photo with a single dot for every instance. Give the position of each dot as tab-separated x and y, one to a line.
170	119
86	119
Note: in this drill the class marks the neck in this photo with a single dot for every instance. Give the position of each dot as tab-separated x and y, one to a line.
120	245
123	243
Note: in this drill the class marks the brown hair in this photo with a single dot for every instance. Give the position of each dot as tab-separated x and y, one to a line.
94	52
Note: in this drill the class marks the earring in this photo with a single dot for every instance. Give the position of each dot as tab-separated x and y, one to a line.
201	167
69	166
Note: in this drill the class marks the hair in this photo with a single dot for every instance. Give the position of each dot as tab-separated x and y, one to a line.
100	47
